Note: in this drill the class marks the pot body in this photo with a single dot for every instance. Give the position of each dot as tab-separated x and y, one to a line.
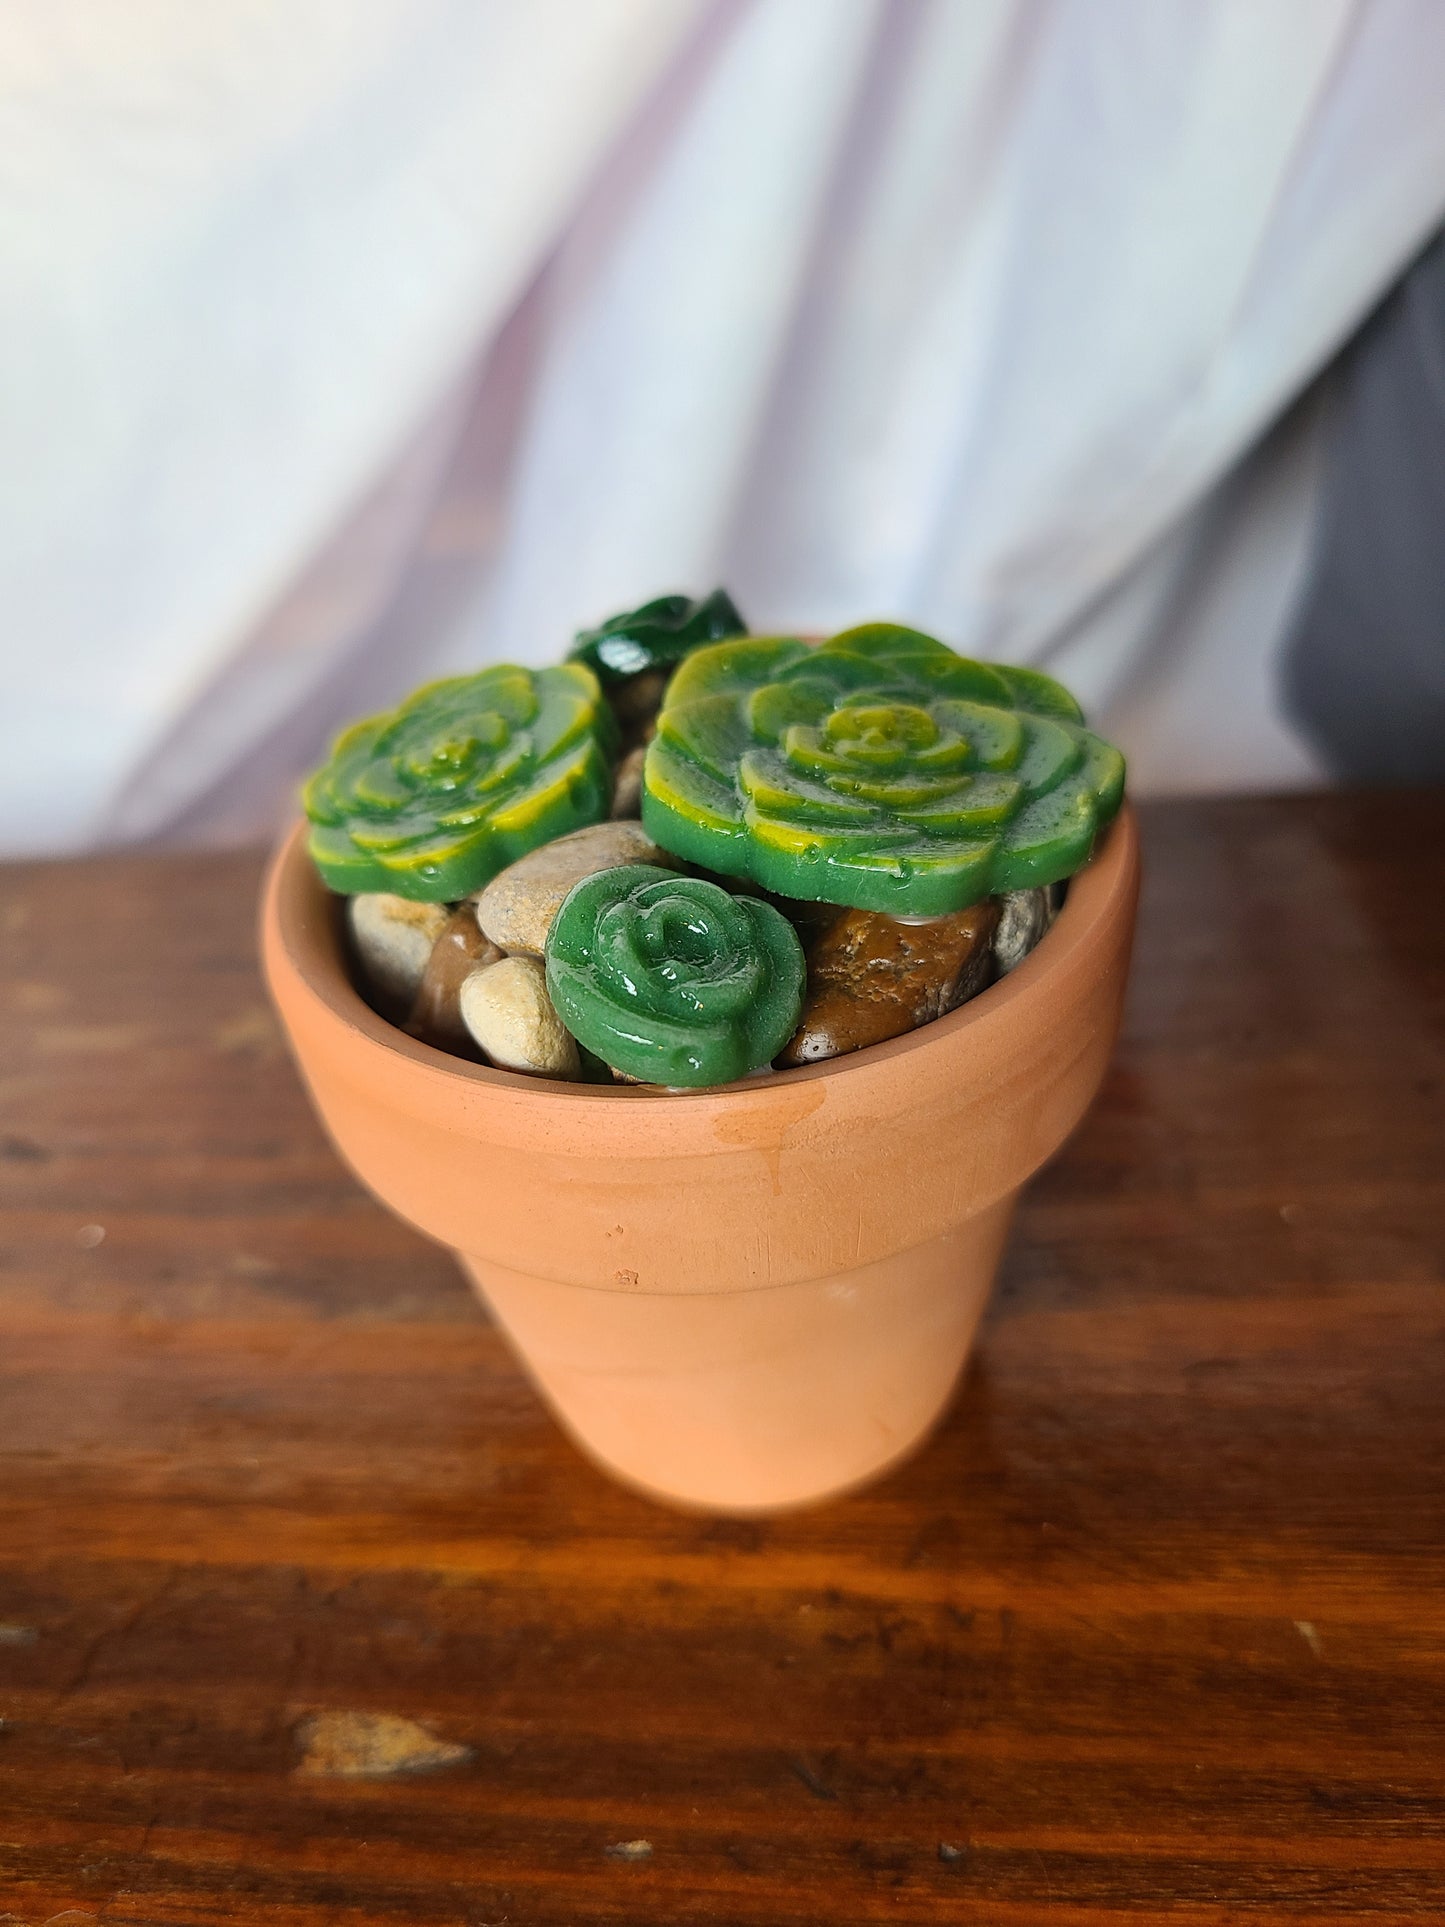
738	1299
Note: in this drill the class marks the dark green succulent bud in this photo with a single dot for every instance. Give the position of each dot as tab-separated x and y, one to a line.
671	979
657	635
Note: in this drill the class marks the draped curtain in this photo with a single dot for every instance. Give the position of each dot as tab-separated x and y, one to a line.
349	344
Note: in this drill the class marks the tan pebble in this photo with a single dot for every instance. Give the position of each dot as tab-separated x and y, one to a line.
872	977
506	1009
517	907
436	1016
627	787
393	938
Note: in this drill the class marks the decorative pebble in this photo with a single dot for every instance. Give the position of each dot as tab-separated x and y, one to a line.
436	1016
635	704
627	787
517	907
509	1015
393	938
872	977
1023	917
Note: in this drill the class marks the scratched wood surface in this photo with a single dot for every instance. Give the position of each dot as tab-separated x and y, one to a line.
1151	1630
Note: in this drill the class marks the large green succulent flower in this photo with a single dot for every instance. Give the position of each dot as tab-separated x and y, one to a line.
432	799
878	770
671	979
657	635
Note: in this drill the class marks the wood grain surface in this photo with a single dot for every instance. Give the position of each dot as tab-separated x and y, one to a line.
1154	1629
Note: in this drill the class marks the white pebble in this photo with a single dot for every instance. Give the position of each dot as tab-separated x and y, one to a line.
506	1008
393	938
517	907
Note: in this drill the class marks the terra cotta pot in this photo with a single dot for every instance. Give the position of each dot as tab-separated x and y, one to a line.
737	1299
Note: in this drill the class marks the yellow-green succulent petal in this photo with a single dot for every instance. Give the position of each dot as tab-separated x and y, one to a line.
878	769
709	731
1040	695
975	808
433	798
776	789
735	668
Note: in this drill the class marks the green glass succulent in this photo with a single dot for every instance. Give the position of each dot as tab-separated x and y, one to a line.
657	635
671	979
879	770
430	800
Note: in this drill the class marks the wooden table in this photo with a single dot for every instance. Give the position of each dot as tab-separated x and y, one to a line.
1152	1630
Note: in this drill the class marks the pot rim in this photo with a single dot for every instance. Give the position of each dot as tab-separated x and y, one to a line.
309	947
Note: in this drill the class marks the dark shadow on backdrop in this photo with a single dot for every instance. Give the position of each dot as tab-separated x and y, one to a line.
1364	668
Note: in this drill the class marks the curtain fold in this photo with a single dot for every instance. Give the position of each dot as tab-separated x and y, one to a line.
353	345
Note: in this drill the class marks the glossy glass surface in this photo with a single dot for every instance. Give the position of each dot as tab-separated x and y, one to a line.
657	635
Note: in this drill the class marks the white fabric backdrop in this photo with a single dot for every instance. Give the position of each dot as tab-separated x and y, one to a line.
349	341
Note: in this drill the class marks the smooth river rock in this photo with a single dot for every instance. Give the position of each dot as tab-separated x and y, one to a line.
436	1016
517	907
872	977
393	938
1023	917
510	1017
635	703
627	785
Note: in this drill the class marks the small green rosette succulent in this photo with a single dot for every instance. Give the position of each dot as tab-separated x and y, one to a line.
430	800
671	979
879	770
657	635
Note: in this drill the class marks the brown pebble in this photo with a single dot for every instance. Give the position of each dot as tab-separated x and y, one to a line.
872	977
627	784
635	703
436	1017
